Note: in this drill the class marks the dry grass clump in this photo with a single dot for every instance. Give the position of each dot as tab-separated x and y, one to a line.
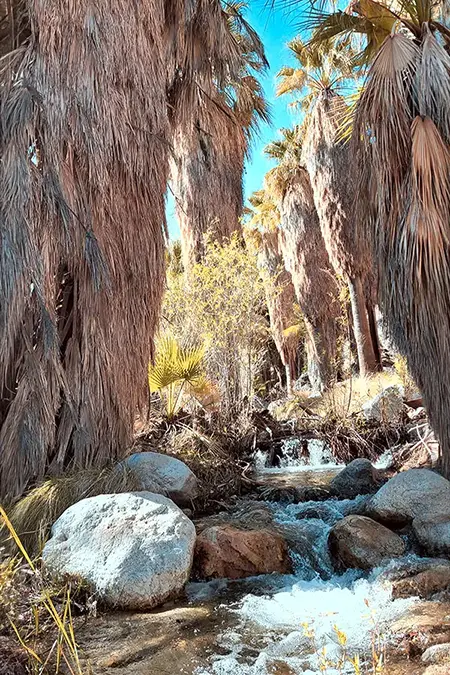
33	515
347	398
37	616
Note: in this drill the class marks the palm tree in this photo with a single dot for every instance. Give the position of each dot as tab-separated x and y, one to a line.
210	148
305	256
326	157
401	137
84	146
279	290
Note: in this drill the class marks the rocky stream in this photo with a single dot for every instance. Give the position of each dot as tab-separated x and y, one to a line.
349	595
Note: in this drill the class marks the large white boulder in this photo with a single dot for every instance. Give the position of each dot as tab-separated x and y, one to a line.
415	493
134	549
387	406
164	475
420	497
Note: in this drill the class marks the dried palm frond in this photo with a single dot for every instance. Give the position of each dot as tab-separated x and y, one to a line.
281	302
210	148
404	196
84	145
315	285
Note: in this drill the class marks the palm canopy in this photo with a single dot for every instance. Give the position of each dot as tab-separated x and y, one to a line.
243	92
373	22
263	215
318	67
287	151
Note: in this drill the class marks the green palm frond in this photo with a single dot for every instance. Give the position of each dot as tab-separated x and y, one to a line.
178	368
175	363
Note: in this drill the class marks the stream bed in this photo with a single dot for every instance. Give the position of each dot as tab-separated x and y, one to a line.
302	623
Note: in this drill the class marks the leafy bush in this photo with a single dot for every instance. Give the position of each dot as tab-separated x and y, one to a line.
221	305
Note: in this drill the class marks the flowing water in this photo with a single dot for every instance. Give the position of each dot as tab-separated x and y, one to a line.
298	622
272	624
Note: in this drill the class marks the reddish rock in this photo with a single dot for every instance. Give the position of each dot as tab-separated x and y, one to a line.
225	551
425	584
357	541
425	624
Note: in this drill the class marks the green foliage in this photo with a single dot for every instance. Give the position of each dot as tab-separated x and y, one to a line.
222	306
177	368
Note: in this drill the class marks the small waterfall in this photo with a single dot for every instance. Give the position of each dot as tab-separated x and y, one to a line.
293	619
295	454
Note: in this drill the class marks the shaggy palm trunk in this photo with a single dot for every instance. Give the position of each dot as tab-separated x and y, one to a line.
280	297
207	168
84	146
329	166
362	329
315	285
404	197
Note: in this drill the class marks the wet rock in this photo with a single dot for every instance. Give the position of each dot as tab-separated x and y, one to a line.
167	642
312	494
437	654
164	475
319	512
358	478
134	549
424	584
433	534
424	624
245	515
417	493
227	552
387	406
357	541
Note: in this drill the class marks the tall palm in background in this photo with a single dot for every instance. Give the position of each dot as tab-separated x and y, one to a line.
401	139
279	290
87	90
320	75
305	256
209	148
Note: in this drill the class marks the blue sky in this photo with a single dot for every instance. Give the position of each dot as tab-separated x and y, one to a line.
276	28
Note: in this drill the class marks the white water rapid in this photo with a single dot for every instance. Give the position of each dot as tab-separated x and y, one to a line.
294	620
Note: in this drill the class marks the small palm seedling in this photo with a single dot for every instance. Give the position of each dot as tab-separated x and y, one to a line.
178	369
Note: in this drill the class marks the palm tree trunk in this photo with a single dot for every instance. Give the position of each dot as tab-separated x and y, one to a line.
374	335
206	172
280	297
321	353
315	285
367	359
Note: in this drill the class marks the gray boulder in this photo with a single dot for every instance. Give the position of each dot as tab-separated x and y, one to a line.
357	541
437	654
358	478
416	493
433	534
165	475
134	549
387	406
